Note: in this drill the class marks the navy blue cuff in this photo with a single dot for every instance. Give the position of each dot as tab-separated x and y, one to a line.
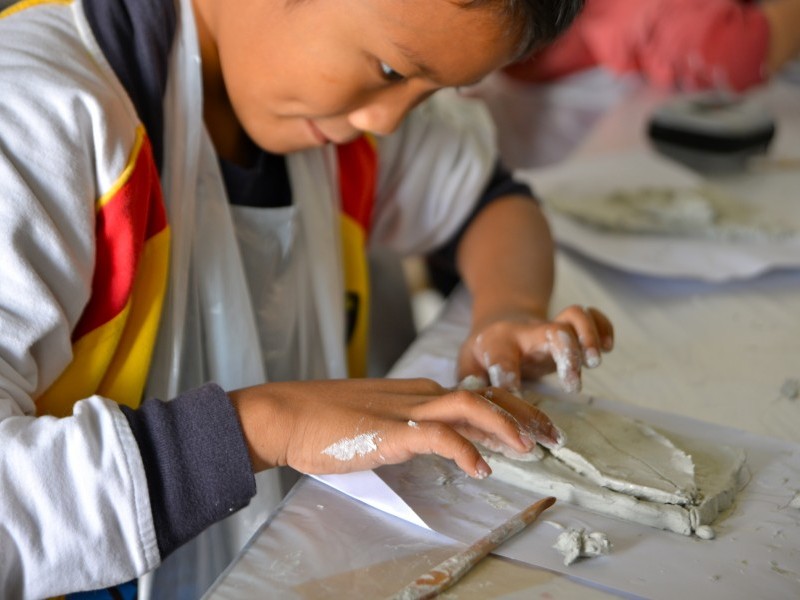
196	462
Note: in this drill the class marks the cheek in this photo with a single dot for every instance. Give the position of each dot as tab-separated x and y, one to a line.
317	102
313	87
302	85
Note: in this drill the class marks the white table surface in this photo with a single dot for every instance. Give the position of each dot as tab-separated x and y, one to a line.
715	352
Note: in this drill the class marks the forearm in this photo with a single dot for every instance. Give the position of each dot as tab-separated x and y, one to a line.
783	17
506	261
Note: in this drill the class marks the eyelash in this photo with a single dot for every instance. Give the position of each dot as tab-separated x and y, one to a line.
389	74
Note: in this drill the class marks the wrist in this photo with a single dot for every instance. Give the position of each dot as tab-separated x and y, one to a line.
258	418
522	311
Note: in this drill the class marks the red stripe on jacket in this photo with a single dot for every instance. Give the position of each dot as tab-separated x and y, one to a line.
357	180
130	217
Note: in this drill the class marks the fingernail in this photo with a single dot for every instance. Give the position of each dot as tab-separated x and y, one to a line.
538	453
555	441
482	469
608	344
592	358
561	437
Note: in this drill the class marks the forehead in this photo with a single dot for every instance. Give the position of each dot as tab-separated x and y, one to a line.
455	43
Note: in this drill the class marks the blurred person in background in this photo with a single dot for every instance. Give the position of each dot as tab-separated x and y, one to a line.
544	105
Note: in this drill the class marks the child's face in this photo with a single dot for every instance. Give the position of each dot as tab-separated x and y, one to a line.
307	73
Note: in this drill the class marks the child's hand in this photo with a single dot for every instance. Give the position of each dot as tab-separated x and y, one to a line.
350	425
508	349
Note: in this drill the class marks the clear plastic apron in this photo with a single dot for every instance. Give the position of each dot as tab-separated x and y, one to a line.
246	301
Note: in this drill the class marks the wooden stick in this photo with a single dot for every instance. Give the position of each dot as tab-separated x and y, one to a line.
446	573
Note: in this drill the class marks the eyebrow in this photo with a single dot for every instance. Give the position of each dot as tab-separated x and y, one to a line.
426	70
418	63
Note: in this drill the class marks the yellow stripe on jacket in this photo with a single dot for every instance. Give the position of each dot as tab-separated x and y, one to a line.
358	165
114	339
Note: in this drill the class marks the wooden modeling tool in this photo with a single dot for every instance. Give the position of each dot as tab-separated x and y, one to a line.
446	573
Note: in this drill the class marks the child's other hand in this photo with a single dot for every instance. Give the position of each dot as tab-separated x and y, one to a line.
510	348
351	425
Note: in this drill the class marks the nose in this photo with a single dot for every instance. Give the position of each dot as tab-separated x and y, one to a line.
383	113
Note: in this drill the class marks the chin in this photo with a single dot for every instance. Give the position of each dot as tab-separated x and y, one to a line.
353	136
279	139
286	146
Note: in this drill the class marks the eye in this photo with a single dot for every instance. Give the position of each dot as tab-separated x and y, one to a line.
389	74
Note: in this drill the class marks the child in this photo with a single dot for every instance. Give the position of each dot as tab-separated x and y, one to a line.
187	195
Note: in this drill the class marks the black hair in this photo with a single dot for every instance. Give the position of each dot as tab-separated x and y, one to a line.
534	23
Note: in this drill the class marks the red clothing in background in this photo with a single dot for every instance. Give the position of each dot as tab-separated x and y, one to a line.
682	44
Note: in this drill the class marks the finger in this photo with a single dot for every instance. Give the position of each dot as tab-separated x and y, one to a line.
565	350
438	438
505	375
477	436
533	421
479	368
605	329
545	431
462	407
584	325
400	443
480	385
526	350
498	352
470	371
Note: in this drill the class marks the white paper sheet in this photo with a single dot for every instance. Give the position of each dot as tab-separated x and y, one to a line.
370	489
771	193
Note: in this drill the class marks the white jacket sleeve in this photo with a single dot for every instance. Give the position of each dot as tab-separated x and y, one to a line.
74	506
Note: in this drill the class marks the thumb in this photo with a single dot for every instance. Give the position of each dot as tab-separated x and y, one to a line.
500	365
